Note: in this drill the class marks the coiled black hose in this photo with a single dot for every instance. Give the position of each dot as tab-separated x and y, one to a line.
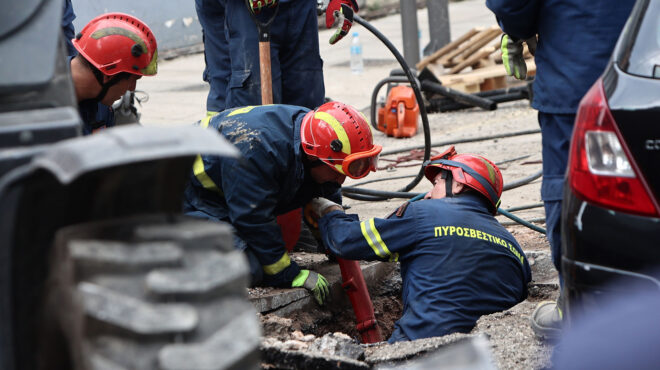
376	195
418	95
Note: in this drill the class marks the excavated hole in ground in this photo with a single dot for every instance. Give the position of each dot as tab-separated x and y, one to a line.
320	321
387	309
386	298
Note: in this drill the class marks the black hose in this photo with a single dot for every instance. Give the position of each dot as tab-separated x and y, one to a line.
374	96
523	181
379	180
372	195
461	141
522	208
418	95
349	190
521	221
448	105
407	176
459	96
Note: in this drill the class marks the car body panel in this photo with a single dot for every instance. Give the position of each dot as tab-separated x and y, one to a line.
600	245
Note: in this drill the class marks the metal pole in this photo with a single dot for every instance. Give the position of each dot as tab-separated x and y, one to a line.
439	33
409	30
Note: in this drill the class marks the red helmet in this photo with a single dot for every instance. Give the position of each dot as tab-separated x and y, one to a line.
117	42
340	136
470	170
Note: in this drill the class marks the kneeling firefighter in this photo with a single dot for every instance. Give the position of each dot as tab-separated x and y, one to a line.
290	155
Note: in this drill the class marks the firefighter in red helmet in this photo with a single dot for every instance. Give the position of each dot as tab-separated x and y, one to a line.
457	261
114	51
290	155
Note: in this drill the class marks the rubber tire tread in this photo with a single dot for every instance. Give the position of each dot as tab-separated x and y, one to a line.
106	333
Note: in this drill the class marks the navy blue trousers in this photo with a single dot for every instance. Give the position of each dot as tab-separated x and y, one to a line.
556	131
231	51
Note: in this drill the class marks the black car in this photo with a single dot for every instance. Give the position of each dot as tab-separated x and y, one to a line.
611	209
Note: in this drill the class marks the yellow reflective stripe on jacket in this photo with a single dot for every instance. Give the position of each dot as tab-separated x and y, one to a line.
278	266
198	166
242	110
339	130
373	238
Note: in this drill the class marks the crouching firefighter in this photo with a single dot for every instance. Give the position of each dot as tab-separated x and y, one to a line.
457	261
290	155
114	51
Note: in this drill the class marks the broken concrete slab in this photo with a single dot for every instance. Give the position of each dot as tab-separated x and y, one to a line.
284	302
280	355
401	351
514	345
337	344
278	298
471	353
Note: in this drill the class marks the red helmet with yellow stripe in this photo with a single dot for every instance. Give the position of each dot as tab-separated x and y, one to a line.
339	136
116	42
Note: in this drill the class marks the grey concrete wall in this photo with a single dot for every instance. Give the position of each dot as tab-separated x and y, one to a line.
174	22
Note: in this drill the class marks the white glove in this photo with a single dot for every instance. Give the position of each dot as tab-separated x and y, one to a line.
320	206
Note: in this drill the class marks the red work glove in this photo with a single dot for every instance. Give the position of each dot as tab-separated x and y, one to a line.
338	8
258	5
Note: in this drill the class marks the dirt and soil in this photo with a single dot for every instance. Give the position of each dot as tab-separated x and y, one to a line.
512	342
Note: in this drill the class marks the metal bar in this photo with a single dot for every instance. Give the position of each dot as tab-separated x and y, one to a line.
439	32
410	30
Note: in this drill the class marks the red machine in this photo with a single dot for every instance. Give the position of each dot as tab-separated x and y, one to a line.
400	115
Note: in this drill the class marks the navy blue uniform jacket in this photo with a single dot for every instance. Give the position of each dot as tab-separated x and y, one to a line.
93	114
269	180
576	39
457	261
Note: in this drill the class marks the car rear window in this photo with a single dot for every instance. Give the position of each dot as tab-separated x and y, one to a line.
645	53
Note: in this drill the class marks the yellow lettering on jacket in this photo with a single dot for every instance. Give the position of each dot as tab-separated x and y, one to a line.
467	232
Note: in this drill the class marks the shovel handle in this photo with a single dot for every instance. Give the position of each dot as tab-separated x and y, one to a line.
264	53
265	72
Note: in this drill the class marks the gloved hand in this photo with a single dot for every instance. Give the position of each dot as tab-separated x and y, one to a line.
317	208
531	44
334	10
512	57
315	283
258	5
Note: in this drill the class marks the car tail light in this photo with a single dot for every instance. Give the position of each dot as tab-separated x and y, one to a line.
600	170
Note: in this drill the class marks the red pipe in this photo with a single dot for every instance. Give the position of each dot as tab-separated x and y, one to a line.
356	289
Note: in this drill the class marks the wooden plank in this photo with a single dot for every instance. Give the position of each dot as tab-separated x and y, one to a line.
472	60
445	49
494	33
475	39
481	74
493	83
446	59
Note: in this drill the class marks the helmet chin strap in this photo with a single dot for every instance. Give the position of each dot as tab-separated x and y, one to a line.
311	163
104	86
449	179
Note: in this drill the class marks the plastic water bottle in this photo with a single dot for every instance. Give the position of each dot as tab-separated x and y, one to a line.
357	64
419	42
